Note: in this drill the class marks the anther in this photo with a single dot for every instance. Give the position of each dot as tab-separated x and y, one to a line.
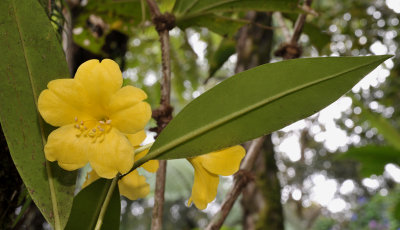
77	126
101	122
108	122
94	130
101	129
84	127
81	122
76	119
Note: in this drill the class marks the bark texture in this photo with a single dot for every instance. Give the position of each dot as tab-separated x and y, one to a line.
261	201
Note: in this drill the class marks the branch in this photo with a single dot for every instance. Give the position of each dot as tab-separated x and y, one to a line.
163	115
241	179
291	49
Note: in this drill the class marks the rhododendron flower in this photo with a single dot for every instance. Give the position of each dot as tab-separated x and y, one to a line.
207	169
94	114
133	186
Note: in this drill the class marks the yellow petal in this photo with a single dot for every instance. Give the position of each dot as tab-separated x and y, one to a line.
132	119
223	162
112	155
63	146
205	185
149	166
90	178
137	138
100	80
63	101
126	97
133	186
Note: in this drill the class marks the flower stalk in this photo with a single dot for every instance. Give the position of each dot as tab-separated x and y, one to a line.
105	203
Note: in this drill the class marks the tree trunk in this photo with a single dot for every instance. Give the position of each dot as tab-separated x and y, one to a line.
261	201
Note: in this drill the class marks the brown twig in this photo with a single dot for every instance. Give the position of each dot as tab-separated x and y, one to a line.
241	179
163	23
291	49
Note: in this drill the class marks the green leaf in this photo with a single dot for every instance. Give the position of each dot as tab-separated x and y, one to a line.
224	26
391	135
203	12
226	48
372	158
257	102
30	57
192	7
87	206
318	37
396	210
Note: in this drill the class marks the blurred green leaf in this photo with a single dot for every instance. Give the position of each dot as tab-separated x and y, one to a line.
87	206
258	101
31	56
318	37
224	26
226	48
391	135
98	18
396	211
192	7
372	158
202	13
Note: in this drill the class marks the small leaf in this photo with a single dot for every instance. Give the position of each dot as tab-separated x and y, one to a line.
372	158
30	57
391	135
257	102
226	48
87	205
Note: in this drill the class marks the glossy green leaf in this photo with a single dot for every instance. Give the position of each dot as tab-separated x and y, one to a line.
87	206
257	102
30	57
373	158
391	135
193	7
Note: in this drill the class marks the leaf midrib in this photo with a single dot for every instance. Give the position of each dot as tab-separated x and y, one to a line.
231	116
41	125
98	208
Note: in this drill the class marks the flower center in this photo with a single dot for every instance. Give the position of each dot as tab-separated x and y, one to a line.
96	129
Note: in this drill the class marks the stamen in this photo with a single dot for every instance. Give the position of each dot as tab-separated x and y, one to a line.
108	122
77	126
81	122
84	127
94	130
101	122
76	119
101	129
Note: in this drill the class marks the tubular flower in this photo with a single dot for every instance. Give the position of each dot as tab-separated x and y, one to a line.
133	186
207	169
94	115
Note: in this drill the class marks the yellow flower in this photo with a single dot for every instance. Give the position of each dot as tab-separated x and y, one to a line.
207	169
133	186
95	114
